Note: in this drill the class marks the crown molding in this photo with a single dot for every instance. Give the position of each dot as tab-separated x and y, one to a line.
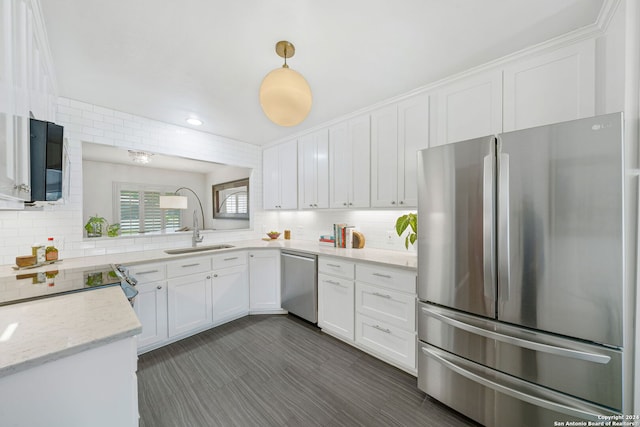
597	29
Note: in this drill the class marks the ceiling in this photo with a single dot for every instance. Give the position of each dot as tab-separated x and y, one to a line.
168	60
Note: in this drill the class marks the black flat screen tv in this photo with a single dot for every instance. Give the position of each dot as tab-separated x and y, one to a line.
46	161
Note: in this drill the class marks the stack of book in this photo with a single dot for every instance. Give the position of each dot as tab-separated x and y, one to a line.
343	235
326	239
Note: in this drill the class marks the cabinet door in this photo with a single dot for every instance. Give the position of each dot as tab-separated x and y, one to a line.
230	293
384	157
413	135
271	178
469	108
264	281
336	305
313	170
550	88
359	134
150	306
7	109
288	154
189	303
339	166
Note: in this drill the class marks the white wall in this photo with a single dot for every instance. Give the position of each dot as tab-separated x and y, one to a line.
98	179
89	123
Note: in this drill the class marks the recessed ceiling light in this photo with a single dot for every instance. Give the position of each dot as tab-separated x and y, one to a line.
193	121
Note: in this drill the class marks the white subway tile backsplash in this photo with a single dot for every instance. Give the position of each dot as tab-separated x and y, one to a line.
86	122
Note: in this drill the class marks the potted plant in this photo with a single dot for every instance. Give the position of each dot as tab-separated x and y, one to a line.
405	221
95	225
113	230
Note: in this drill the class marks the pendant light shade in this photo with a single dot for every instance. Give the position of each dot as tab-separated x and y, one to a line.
285	96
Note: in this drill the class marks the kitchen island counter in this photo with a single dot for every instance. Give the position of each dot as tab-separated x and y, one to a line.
36	332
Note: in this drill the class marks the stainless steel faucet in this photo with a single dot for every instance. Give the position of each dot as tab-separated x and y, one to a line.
196	238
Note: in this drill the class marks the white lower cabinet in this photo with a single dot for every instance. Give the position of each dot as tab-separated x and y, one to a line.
395	345
264	281
190	307
335	306
150	306
230	293
96	387
385	306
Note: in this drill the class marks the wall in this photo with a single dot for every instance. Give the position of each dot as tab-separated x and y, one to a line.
86	122
98	179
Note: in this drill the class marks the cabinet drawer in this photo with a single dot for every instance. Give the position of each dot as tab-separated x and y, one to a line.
396	308
335	306
229	260
393	278
188	266
147	273
336	267
390	342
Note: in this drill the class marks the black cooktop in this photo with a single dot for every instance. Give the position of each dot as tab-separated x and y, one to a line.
50	281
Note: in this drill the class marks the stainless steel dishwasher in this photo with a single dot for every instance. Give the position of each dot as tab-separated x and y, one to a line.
300	284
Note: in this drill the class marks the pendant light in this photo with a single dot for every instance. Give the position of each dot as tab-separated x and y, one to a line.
285	96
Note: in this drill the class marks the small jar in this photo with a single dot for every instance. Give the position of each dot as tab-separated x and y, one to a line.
287	234
38	250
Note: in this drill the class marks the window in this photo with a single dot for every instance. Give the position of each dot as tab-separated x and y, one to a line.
231	199
138	209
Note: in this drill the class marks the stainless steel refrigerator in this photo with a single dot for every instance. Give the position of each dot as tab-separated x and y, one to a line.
520	274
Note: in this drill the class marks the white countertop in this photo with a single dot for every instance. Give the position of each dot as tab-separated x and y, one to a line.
36	332
406	260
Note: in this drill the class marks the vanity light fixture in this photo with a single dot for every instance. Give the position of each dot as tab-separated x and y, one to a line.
141	157
194	121
285	96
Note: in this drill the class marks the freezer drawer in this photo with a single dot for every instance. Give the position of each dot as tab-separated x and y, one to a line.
493	398
584	370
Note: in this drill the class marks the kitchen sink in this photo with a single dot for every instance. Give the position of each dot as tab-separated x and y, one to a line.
197	249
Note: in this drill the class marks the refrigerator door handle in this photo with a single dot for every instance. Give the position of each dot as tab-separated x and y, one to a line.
488	225
509	390
504	252
532	345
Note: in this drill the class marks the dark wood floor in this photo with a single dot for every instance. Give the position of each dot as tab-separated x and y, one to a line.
278	371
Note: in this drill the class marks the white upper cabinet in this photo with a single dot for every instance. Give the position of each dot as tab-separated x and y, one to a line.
280	176
26	86
384	157
550	88
313	170
413	135
349	163
469	108
397	132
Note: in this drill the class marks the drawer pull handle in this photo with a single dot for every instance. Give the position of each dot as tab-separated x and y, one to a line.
334	265
386	276
380	328
382	295
190	265
145	272
215	275
231	259
335	283
159	287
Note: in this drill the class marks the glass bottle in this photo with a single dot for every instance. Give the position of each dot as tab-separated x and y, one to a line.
51	252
